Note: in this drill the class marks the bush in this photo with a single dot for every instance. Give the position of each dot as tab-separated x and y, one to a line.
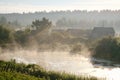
5	35
107	48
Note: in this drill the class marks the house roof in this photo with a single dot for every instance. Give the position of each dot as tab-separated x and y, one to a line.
103	29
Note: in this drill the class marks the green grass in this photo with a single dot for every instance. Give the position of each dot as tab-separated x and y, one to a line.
17	76
19	71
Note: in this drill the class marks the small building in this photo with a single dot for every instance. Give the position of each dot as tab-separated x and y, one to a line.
100	32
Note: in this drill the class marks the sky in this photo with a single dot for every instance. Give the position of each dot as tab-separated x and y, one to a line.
20	6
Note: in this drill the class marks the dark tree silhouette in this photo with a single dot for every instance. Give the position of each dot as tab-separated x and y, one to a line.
42	25
108	48
5	35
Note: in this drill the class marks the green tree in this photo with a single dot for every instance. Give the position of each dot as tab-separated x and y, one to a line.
21	37
41	25
107	48
5	35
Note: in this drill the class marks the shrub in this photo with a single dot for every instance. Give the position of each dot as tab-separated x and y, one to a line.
107	48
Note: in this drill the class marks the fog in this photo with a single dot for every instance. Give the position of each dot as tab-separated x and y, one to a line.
62	61
64	44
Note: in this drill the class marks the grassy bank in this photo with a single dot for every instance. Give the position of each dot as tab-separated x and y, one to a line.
18	71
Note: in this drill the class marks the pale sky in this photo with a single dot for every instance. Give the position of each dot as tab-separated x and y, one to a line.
10	6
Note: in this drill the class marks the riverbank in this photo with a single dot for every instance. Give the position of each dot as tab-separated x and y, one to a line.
35	72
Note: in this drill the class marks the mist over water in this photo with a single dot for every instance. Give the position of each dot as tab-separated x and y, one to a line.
64	62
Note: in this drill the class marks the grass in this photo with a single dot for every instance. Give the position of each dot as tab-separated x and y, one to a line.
19	71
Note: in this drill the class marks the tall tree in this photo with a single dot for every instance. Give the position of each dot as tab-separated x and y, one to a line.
42	25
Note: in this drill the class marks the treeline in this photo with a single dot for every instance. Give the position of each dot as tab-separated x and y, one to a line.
77	18
18	71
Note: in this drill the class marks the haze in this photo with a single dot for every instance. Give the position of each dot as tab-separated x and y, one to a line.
19	6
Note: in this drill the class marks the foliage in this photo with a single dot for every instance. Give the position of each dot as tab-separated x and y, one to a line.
11	69
41	25
16	76
21	36
5	35
107	48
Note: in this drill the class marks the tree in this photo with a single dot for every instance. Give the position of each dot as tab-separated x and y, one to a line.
41	25
5	35
21	36
107	48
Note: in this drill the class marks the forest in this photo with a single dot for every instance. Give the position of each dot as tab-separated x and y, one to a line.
82	19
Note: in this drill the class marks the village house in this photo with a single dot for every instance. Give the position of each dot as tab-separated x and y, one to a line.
100	32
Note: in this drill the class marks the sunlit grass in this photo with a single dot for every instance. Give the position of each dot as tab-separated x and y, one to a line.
20	71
